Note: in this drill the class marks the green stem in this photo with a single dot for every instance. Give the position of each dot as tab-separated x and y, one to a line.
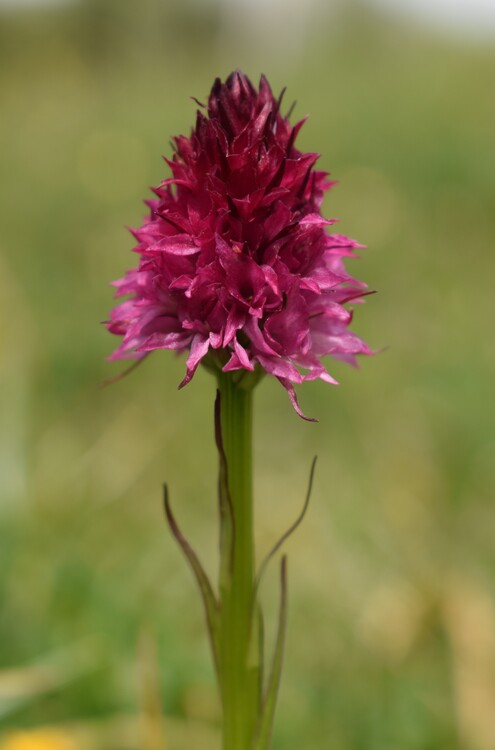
239	673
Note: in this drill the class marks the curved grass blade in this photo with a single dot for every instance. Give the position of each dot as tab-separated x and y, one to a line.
290	530
212	609
265	725
256	636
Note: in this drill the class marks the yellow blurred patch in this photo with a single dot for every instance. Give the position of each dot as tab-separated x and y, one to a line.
469	615
38	740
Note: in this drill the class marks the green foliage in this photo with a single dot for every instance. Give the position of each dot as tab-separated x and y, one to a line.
391	607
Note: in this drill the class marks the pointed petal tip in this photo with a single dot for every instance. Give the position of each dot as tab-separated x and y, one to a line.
182	383
293	399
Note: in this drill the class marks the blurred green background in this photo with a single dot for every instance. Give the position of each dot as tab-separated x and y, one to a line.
392	614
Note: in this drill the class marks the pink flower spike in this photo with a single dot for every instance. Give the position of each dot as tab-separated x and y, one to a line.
235	258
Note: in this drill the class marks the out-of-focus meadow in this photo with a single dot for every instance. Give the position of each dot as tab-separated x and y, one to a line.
392	615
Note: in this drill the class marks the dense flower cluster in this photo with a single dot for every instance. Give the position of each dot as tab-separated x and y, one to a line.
235	260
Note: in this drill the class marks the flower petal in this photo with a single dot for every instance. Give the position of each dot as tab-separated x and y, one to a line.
235	256
293	399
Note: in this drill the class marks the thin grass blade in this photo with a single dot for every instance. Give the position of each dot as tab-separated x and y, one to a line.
212	609
265	726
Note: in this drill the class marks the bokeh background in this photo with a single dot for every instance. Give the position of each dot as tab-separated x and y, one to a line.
392	620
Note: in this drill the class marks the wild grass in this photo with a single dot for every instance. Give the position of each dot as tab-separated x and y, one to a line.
392	613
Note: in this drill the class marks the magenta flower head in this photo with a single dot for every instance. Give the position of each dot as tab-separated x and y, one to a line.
236	266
